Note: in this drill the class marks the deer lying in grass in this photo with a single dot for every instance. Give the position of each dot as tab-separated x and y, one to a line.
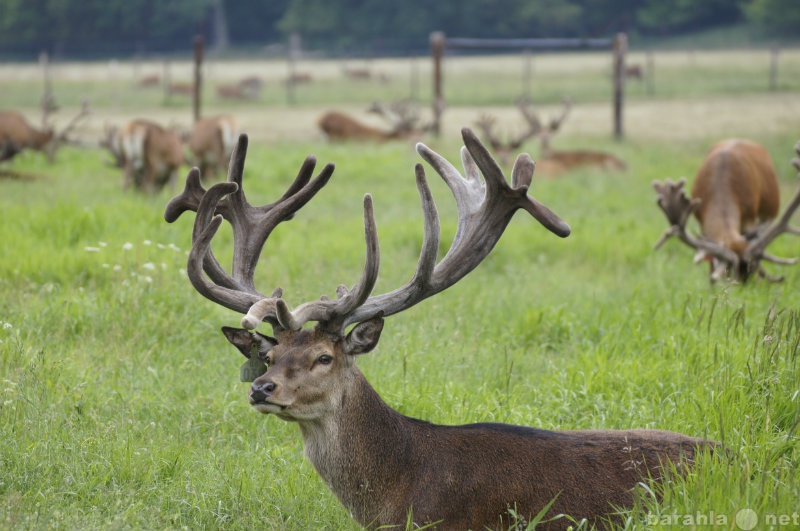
18	135
402	116
211	142
149	154
735	198
383	466
248	88
551	162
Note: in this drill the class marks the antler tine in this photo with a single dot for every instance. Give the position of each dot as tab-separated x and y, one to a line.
555	123
333	315
677	207
484	211
534	124
485	123
251	228
756	249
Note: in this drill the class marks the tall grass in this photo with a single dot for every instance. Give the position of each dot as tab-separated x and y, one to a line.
120	405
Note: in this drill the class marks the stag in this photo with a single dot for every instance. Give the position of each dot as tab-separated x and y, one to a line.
735	199
149	154
402	117
17	134
551	162
211	142
385	467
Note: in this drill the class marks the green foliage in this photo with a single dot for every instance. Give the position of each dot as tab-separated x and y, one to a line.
98	28
120	401
782	16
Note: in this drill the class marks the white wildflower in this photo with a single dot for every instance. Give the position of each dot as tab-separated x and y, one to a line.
127	246
149	266
147	242
92	249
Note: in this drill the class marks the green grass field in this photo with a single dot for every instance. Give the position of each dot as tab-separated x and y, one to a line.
120	401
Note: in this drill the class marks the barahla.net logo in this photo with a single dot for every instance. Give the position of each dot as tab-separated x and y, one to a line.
744	519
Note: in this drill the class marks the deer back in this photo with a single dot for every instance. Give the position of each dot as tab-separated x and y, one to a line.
738	190
163	147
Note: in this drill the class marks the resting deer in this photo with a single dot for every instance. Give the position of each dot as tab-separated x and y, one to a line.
551	162
383	466
17	134
211	142
735	198
402	116
248	88
149	153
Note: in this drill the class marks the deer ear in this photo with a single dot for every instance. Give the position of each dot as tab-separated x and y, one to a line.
364	336
249	343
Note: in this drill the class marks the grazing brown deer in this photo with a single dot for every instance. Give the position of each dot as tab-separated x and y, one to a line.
383	466
149	153
248	88
551	162
211	143
735	198
180	88
149	80
634	71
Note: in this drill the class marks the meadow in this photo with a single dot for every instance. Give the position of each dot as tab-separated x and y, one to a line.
120	401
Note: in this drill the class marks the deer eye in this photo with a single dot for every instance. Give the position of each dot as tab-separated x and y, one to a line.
325	359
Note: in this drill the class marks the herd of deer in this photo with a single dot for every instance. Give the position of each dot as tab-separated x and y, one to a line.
388	469
149	153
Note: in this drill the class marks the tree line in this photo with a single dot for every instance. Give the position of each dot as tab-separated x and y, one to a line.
107	28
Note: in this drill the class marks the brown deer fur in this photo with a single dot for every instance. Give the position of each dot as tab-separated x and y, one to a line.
211	142
738	190
381	464
339	126
150	154
16	131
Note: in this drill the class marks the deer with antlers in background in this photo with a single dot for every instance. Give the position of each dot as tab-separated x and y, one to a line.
402	116
211	142
149	153
735	198
17	134
386	468
551	162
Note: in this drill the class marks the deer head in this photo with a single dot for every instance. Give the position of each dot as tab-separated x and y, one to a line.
735	199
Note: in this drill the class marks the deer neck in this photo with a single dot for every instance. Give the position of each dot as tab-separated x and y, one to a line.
360	450
722	223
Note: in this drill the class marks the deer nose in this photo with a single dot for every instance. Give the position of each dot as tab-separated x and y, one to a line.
260	391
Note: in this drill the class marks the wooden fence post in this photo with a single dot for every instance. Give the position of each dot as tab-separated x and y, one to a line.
437	51
198	76
620	48
773	67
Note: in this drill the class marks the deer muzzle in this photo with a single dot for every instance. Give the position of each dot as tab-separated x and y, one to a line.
261	396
